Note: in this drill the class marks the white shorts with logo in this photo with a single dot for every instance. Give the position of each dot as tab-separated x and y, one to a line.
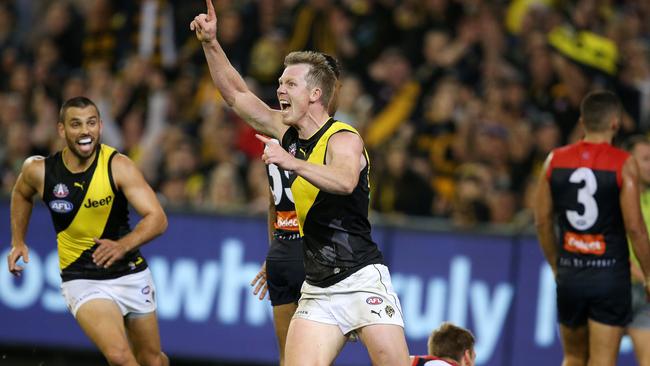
134	294
364	298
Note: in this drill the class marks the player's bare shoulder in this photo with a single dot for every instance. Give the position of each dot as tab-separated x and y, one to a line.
124	170
33	172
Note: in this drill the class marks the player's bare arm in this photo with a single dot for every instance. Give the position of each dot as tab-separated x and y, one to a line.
340	174
29	183
632	216
231	85
544	217
142	198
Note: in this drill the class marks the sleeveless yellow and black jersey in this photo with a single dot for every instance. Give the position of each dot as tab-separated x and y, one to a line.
334	228
84	206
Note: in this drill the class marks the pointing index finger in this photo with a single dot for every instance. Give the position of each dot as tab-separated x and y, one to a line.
263	138
211	13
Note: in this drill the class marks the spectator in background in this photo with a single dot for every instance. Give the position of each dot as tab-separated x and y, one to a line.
481	61
449	345
8	36
313	27
402	191
225	188
100	41
470	206
354	103
396	94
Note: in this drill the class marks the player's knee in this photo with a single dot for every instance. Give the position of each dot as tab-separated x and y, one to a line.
119	356
155	358
382	357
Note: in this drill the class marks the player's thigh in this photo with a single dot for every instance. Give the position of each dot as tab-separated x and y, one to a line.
604	341
102	322
575	344
143	332
311	343
386	344
282	315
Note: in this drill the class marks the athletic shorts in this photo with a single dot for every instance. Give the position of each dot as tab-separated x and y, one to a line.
364	298
640	308
605	302
284	279
134	294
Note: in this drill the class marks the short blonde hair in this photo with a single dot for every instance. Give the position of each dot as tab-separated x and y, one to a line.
323	71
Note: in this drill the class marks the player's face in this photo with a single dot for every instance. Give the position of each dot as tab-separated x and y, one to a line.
82	130
293	93
641	153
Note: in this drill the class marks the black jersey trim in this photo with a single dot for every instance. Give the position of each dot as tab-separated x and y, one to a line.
110	171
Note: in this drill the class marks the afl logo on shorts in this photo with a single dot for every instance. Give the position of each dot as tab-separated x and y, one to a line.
60	191
61	206
146	290
374	300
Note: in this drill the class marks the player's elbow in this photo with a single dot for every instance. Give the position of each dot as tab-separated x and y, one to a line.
636	233
348	186
161	223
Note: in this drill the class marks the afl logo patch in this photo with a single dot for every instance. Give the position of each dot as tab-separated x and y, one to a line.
374	300
60	191
61	206
146	290
292	149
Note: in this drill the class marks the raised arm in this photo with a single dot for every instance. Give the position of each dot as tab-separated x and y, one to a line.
142	198
544	217
231	85
340	174
29	183
632	216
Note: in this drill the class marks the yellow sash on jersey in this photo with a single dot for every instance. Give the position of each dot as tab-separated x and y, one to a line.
92	216
305	193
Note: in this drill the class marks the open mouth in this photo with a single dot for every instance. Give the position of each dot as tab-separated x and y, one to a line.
284	105
85	143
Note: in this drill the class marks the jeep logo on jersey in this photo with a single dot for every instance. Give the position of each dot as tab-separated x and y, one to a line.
94	203
60	190
374	300
61	206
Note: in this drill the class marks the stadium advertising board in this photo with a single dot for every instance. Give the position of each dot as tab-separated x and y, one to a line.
497	286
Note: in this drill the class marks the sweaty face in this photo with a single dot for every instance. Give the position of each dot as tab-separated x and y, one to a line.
293	93
81	129
641	153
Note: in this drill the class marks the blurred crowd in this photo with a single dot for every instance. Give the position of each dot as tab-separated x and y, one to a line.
459	101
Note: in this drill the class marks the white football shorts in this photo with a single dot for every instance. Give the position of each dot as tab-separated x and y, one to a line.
134	294
364	298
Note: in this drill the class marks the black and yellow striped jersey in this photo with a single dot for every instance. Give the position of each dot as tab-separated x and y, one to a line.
84	206
335	228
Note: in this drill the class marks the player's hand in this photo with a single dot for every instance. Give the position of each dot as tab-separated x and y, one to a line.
205	25
108	252
17	251
275	154
261	286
